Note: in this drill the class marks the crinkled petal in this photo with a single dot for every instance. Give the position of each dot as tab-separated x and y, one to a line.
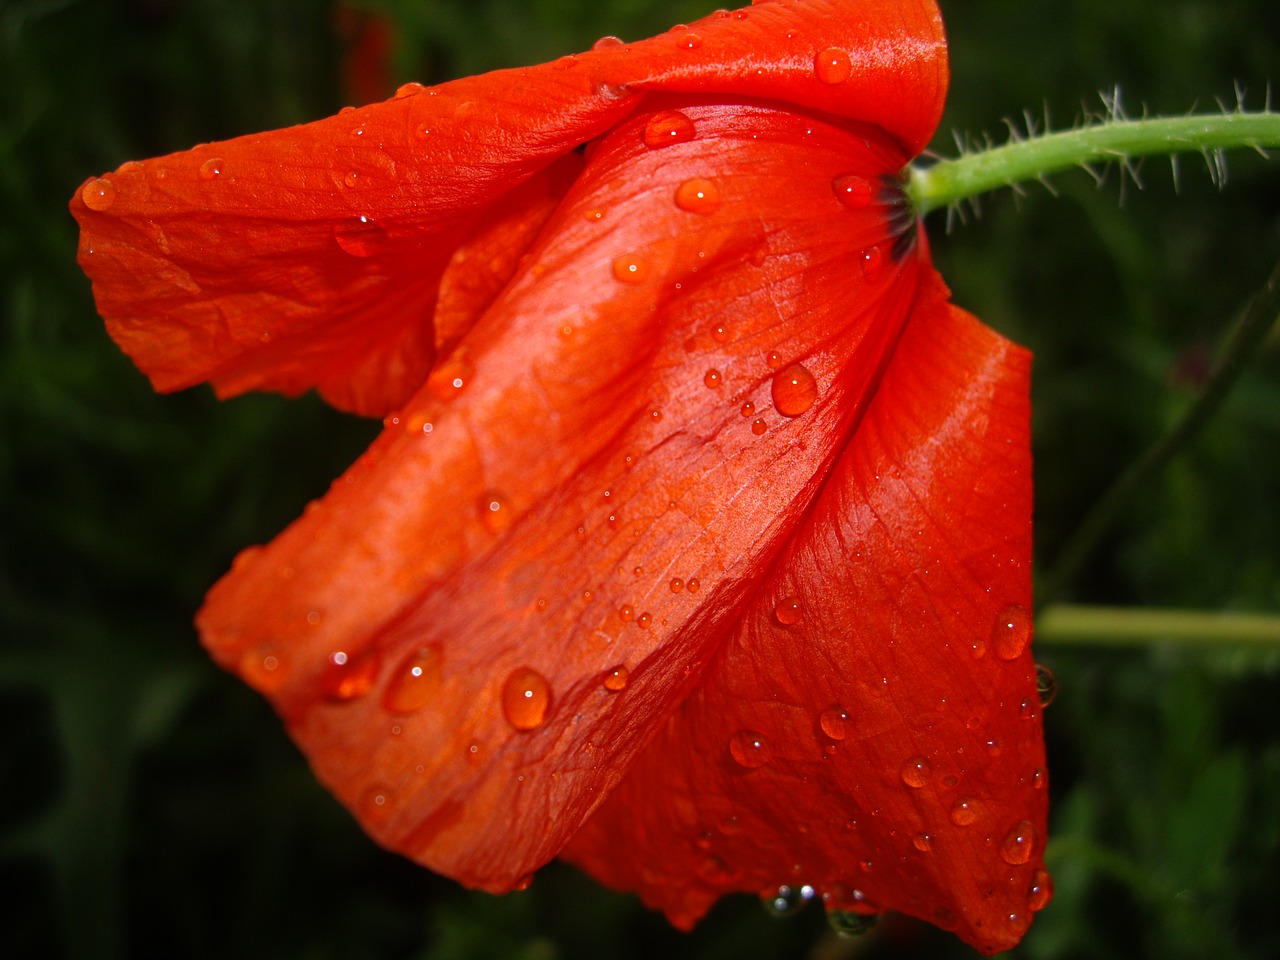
871	727
479	627
313	256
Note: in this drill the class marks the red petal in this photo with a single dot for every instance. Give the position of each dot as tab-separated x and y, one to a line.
871	729
312	256
587	448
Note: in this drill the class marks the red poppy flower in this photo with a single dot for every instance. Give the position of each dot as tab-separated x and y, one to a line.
696	545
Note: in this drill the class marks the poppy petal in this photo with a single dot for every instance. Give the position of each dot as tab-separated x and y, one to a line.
484	621
312	257
870	729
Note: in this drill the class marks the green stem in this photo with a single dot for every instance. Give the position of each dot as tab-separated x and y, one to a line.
1069	625
950	181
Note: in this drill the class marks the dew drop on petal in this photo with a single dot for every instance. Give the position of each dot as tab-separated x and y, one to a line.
690	41
644	620
211	168
676	584
712	378
922	842
848	923
787	899
605	43
758	426
415	681
872	261
750	749
375	803
98	194
832	65
347	677
853	191
965	811
594	215
916	772
774	359
410	89
788	611
495	511
526	697
626	613
692	584
699	195
616	679
747	409
1016	847
836	722
451	377
629	268
1041	891
794	390
1012	632
1046	684
352	178
360	236
667	128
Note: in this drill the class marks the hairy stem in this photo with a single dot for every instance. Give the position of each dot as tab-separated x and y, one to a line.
950	181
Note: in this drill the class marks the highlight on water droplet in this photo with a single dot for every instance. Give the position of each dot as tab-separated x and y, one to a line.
495	511
617	678
1016	847
832	65
836	722
211	168
788	611
1046	685
98	194
787	900
853	191
360	236
667	128
699	195
916	772
750	749
630	268
1012	632
526	698
965	811
794	390
676	584
1041	891
415	681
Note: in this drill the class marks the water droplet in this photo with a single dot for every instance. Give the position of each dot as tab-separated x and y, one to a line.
347	677
626	613
1046	684
853	191
712	378
629	268
699	195
263	670
849	924
965	811
758	426
1037	779
747	409
605	43
1041	891
594	215
1012	632
415	682
788	611
1016	846
978	648
495	511
773	359
916	772
616	679
667	128
676	584
375	803
644	620
98	194
872	261
410	89
451	377
211	168
690	41
352	178
836	722
360	236
794	390
692	584
832	65
612	91
922	842
787	899
750	749
424	129
526	697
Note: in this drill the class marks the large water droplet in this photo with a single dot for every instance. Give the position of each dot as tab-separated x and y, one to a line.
667	128
1046	684
916	772
853	191
788	611
850	924
98	194
699	195
832	65
360	236
616	679
1011	633
787	899
690	41
604	43
750	749
347	677
965	811
794	390
1041	891
630	268
1017	844
526	697
415	682
836	722
211	169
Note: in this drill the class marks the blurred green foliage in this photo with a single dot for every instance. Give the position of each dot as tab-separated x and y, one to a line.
152	807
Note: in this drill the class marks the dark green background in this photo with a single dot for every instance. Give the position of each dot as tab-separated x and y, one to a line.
150	806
